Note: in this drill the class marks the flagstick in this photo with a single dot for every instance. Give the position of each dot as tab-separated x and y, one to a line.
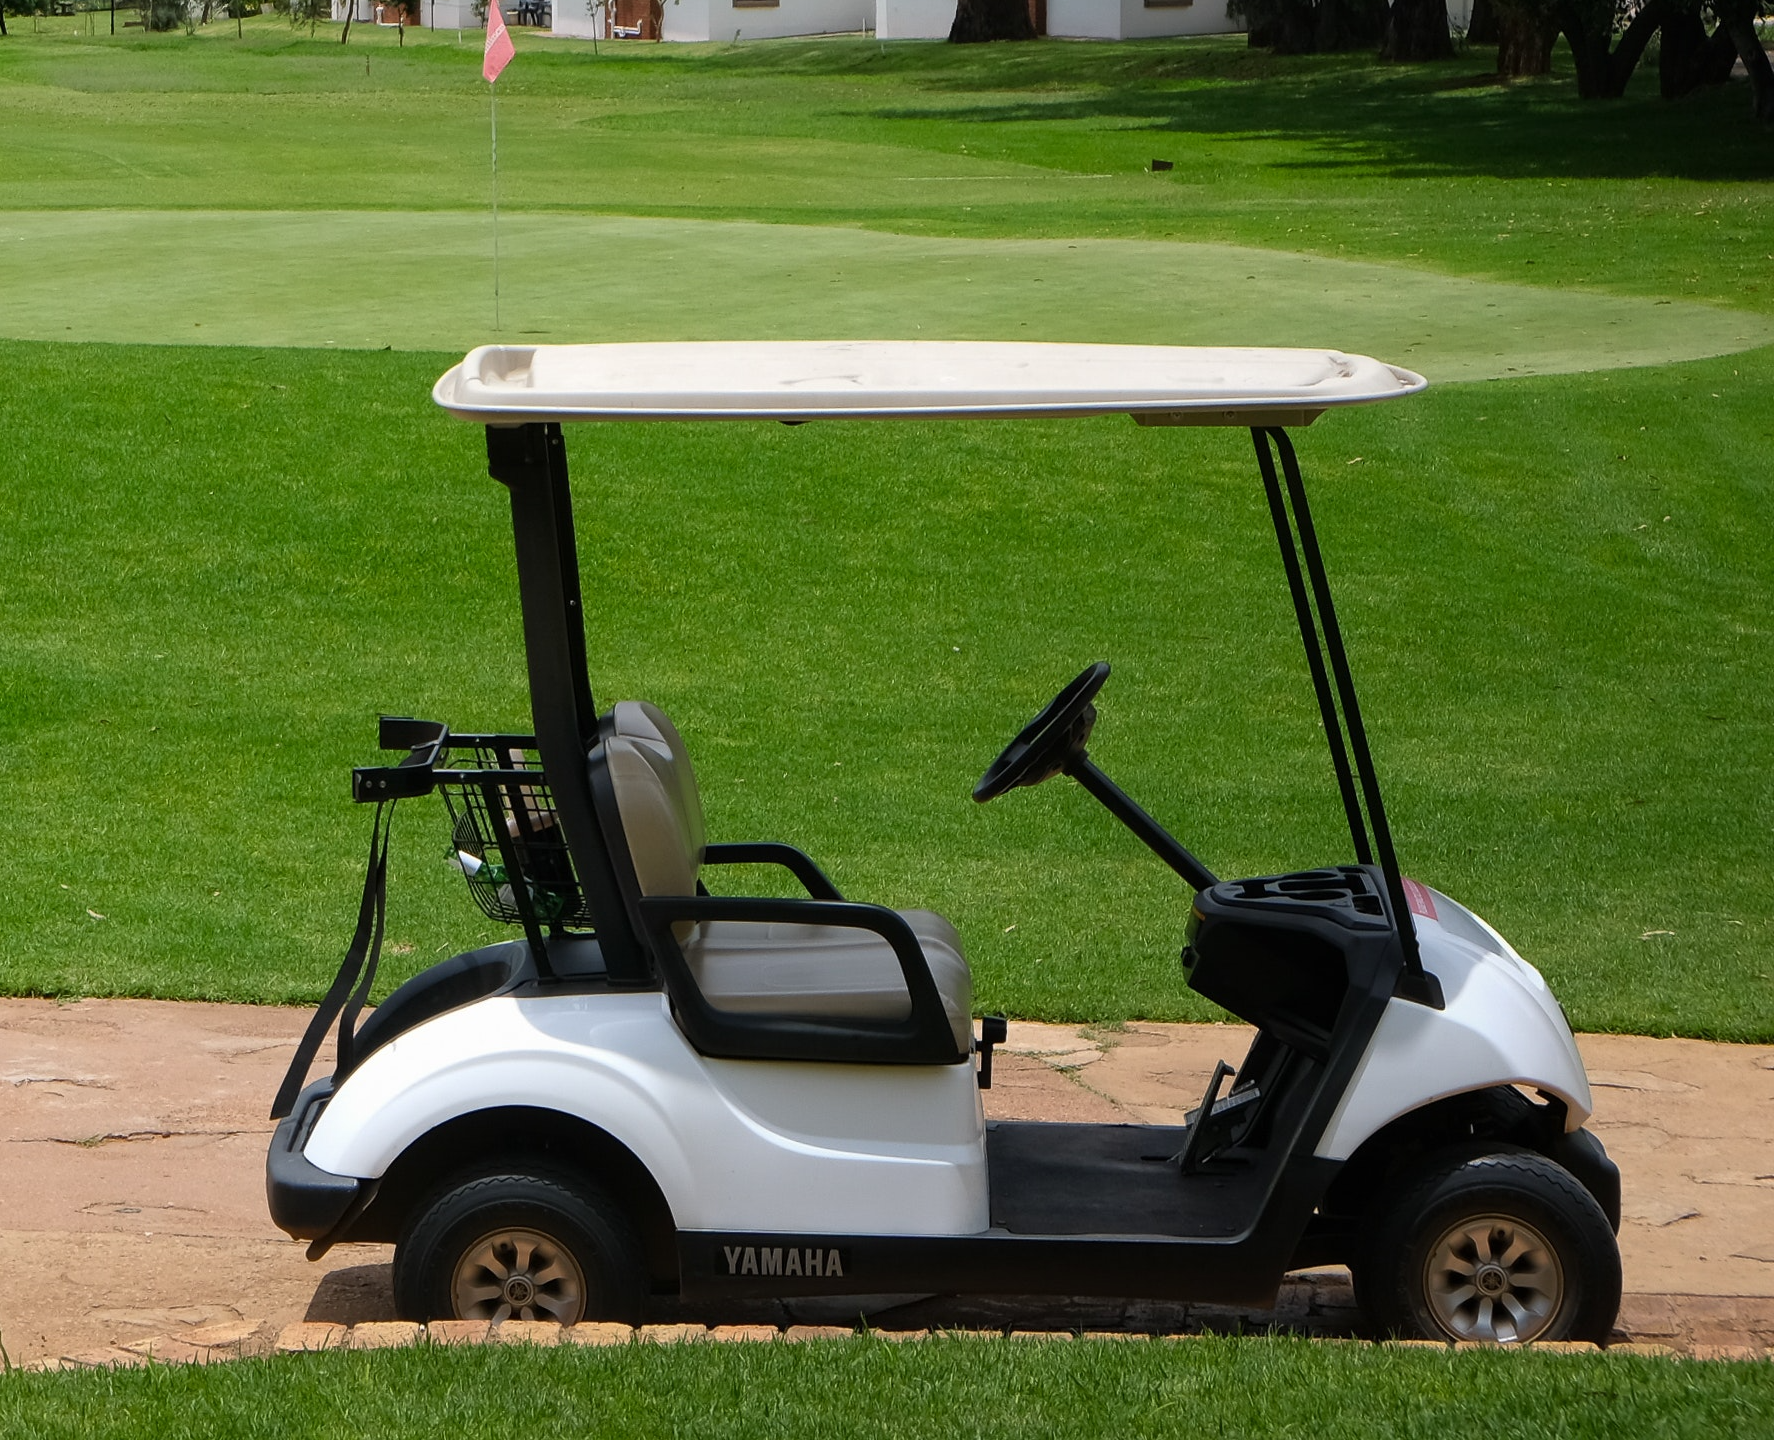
493	97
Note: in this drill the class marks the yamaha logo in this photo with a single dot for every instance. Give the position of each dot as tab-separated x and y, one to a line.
782	1260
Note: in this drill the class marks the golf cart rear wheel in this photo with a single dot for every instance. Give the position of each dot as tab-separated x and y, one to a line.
1500	1249
519	1243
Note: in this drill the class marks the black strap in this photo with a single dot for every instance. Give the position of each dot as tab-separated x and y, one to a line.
366	946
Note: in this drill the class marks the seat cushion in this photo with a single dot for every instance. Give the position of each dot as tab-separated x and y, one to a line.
785	969
651	730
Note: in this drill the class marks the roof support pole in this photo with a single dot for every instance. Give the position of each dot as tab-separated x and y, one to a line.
1322	635
531	462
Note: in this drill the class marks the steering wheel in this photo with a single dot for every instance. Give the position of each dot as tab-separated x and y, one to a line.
1044	746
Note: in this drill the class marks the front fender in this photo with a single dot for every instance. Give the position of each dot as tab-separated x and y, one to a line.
1500	1026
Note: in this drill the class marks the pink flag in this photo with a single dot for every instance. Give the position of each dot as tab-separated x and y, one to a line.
499	46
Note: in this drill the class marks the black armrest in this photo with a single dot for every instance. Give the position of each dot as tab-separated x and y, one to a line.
924	1037
774	852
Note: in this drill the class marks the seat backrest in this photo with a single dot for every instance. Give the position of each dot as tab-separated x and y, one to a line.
657	798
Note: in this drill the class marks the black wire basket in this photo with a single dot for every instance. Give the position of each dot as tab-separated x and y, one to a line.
507	838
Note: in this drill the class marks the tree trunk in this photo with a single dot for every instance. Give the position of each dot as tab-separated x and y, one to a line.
977	20
1417	30
1602	72
1631	49
1481	24
1525	35
1690	58
1296	29
1344	25
1739	22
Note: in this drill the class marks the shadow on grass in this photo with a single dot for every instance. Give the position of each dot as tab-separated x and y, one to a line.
1344	113
1451	119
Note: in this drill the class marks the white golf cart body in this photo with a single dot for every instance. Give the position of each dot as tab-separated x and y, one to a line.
754	1145
781	1166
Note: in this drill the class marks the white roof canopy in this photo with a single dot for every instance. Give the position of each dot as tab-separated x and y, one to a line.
908	380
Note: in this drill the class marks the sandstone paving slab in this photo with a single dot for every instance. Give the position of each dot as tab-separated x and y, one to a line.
385	1334
132	1211
525	1332
593	1332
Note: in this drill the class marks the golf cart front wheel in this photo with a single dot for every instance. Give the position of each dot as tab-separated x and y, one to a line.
509	1245
1500	1249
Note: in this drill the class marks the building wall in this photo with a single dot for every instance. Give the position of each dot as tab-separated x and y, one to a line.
452	15
1133	20
719	19
914	19
571	17
434	14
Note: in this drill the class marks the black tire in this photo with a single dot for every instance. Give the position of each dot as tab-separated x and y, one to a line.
1515	1223
529	1233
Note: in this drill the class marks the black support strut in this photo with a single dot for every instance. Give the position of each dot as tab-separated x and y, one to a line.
1343	728
531	462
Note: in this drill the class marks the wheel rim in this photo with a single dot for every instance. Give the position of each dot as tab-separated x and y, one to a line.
1493	1278
517	1274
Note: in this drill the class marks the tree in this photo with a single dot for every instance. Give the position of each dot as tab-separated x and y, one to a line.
1604	67
1311	27
1525	33
1738	19
1417	30
1687	57
977	20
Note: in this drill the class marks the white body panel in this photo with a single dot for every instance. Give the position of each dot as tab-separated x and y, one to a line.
1136	20
733	1144
1501	1027
789	1146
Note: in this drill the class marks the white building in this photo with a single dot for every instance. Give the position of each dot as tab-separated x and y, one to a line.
433	14
1137	19
717	19
890	19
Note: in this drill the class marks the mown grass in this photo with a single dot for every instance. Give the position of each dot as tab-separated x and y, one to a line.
943	1387
222	564
1420	165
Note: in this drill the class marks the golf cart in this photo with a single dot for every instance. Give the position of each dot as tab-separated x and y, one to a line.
663	1089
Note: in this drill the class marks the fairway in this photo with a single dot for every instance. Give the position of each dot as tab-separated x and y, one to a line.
239	530
566	278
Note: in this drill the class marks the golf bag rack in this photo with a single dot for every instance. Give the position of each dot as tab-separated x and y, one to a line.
504	831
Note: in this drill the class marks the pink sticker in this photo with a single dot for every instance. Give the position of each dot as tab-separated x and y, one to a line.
1417	896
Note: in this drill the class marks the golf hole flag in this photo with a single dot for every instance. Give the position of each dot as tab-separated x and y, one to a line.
499	46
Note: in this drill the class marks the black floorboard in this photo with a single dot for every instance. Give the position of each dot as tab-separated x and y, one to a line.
1050	1179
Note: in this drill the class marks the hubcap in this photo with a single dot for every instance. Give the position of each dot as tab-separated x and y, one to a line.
518	1275
1493	1278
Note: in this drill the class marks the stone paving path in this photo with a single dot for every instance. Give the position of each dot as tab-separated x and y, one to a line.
132	1211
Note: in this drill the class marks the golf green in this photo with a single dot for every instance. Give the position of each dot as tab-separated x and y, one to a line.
581	277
